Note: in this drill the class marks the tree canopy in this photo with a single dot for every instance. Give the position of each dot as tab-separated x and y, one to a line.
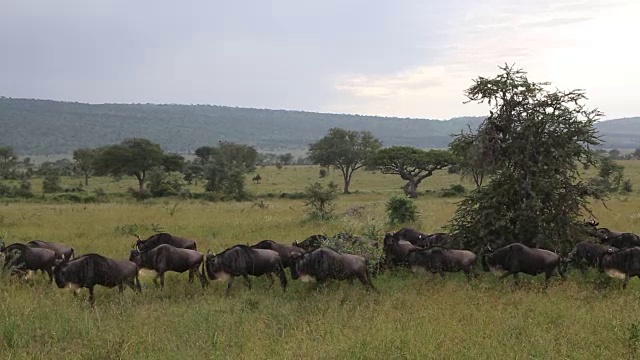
85	162
532	140
226	166
345	150
8	162
412	164
135	157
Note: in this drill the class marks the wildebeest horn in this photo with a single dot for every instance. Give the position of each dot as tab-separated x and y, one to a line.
295	242
138	236
137	248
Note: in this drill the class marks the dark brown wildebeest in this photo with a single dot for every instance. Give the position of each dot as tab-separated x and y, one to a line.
396	250
324	264
62	251
241	260
90	270
617	239
411	235
587	254
435	239
517	258
622	264
441	260
311	243
165	238
165	258
24	259
287	253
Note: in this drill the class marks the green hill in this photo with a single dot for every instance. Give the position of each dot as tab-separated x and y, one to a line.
42	127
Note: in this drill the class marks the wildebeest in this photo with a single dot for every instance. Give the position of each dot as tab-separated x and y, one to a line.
396	251
622	264
620	240
324	264
587	254
165	238
62	251
517	258
241	260
311	243
411	235
23	258
90	270
165	258
441	260
287	253
436	239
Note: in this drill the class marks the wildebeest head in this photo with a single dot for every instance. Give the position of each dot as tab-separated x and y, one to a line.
311	243
60	273
485	257
135	256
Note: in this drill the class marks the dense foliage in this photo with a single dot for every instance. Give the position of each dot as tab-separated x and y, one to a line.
225	168
401	210
320	200
532	141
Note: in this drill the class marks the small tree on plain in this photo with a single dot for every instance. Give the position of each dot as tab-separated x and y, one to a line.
320	200
401	210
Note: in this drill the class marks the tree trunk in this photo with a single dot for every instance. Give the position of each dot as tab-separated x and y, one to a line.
86	179
140	178
411	188
347	182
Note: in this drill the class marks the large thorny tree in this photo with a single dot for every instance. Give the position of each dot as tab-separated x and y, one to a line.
532	143
412	164
345	150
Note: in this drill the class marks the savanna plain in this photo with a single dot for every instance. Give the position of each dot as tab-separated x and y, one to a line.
414	316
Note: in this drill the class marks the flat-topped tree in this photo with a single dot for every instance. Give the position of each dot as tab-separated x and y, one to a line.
345	150
412	164
135	157
85	162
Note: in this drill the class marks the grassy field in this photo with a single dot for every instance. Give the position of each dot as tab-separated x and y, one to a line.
413	316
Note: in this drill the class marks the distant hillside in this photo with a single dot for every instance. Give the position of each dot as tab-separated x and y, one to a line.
42	127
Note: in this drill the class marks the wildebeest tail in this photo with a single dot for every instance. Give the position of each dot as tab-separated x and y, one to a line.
367	274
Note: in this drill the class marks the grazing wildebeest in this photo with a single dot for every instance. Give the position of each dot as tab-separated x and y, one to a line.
23	258
165	238
90	270
517	258
587	254
62	251
396	251
620	240
165	258
241	260
324	264
411	235
311	243
441	260
431	240
287	253
622	263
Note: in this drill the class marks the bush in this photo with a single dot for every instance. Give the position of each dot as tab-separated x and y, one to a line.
323	172
162	183
453	169
454	190
99	193
401	210
51	183
278	165
185	194
24	190
627	186
139	195
6	190
320	201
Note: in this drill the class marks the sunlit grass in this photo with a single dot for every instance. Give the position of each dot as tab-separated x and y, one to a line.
414	316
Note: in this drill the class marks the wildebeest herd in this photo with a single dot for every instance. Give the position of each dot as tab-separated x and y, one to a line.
615	253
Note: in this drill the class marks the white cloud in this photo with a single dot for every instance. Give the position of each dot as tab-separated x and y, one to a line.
585	44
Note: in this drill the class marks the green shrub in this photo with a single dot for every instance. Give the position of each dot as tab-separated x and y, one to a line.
320	201
401	210
51	183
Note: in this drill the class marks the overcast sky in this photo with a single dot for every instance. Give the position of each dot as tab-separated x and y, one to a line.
408	58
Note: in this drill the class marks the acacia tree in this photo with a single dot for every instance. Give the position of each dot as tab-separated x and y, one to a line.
412	164
135	157
345	150
472	162
85	159
533	139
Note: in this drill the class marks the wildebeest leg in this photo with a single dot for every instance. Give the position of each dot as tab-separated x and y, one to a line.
626	281
120	287
138	287
203	280
155	279
271	280
161	275
247	280
441	272
229	285
190	275
91	298
50	273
